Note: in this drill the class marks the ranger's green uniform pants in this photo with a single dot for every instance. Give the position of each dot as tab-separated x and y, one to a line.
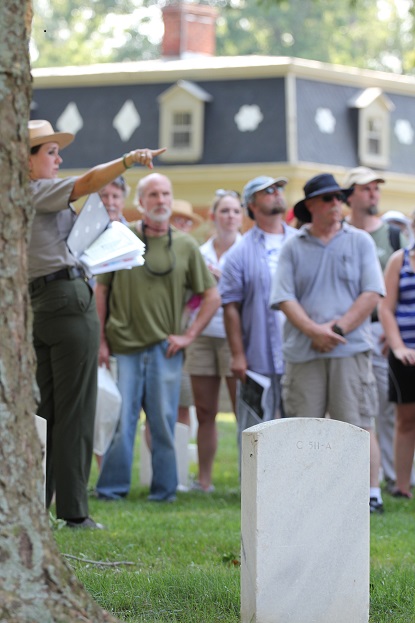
66	340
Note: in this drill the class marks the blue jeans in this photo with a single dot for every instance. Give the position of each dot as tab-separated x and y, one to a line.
150	381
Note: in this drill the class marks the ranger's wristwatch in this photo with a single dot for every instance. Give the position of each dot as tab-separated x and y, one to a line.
336	329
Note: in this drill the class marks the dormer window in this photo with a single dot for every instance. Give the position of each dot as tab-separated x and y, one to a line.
182	127
182	114
373	109
374	136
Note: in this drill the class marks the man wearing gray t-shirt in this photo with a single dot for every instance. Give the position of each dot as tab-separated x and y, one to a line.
327	283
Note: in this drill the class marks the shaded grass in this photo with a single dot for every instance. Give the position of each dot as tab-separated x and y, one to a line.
193	595
185	555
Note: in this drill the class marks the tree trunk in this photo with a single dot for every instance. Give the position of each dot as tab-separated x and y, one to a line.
35	583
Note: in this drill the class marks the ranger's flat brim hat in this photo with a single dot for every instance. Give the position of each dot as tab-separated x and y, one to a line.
41	131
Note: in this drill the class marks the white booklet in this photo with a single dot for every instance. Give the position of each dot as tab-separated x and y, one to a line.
254	393
92	220
116	248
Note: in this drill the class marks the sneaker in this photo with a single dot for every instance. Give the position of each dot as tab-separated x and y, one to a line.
196	486
88	523
182	488
376	506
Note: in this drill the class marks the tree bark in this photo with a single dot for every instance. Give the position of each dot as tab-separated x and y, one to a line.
36	585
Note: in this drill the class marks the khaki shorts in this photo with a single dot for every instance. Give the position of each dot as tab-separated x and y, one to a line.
343	387
208	356
186	393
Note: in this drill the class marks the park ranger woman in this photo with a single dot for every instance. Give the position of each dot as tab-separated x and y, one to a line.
65	322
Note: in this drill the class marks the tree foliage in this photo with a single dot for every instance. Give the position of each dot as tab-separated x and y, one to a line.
73	32
374	34
367	34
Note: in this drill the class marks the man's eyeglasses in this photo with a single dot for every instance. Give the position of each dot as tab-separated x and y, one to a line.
271	190
181	221
329	197
221	192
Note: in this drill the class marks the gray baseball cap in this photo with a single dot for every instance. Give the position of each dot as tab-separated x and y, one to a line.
257	184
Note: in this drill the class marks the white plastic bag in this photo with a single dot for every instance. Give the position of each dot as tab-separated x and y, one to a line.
107	412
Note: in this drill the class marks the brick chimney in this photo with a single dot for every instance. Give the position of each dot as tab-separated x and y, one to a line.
189	29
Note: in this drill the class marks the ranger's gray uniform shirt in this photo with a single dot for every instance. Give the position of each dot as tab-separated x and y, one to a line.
53	220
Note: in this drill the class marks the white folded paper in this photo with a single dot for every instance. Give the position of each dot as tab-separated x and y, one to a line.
116	248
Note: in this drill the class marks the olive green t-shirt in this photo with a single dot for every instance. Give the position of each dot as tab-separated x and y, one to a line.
145	308
383	244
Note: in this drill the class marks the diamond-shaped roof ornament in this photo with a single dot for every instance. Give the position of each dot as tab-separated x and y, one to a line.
404	132
70	120
127	120
325	120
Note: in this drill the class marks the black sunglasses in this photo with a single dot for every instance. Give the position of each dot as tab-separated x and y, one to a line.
328	198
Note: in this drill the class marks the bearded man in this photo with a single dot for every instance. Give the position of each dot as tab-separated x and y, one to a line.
140	312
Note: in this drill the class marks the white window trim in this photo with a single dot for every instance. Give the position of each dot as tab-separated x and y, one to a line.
372	103
183	97
366	157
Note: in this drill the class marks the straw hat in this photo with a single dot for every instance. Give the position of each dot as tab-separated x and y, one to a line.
184	208
41	131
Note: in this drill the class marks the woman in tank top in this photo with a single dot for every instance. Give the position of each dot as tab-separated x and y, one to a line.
397	314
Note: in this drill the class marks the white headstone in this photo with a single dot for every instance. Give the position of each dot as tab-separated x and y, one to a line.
305	522
181	442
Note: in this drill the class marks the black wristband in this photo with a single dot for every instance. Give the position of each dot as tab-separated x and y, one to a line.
336	329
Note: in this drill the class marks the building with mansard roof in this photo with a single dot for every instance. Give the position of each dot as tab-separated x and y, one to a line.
225	120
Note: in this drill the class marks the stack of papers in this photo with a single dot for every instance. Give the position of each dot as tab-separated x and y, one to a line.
100	245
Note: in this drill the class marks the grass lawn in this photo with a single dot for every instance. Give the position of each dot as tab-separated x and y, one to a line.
180	562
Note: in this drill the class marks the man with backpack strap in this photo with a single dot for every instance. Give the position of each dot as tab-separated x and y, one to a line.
363	200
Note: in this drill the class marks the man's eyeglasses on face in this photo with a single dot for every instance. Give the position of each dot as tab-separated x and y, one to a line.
271	190
180	221
221	192
329	197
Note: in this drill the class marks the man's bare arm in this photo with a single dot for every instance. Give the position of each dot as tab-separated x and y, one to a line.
233	326
209	305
